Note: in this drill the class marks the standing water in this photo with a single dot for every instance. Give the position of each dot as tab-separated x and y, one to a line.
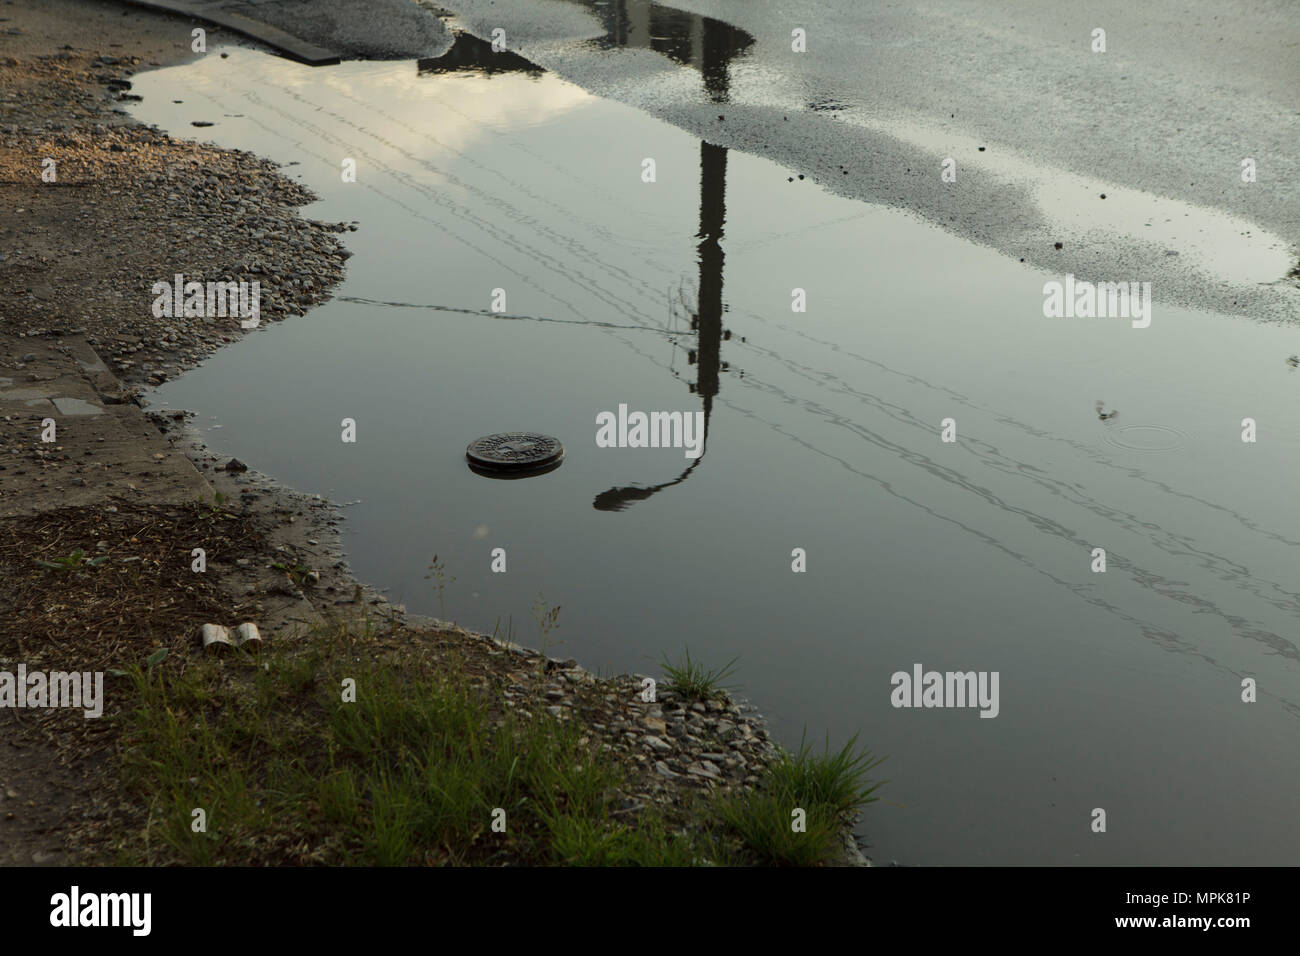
821	344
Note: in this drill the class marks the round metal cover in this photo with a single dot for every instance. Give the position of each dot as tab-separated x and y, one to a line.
501	474
514	452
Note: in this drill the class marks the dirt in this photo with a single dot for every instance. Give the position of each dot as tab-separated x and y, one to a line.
127	206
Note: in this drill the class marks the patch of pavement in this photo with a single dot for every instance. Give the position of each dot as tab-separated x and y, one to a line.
321	32
100	444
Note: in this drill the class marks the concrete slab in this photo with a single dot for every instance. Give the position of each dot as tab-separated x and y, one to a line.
77	406
105	447
23	394
319	32
241	18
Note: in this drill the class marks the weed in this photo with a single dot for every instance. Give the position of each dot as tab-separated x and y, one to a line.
73	562
438	572
693	680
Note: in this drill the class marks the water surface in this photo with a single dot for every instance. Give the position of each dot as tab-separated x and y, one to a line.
1119	690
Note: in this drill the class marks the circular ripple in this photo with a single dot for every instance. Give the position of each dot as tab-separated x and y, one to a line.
514	452
1145	437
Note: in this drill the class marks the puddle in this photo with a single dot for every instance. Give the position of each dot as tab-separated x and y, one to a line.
822	432
700	42
1051	163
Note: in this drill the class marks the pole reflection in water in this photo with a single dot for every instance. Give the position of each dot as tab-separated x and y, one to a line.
708	45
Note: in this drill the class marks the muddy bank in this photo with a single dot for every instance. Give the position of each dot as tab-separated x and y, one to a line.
96	209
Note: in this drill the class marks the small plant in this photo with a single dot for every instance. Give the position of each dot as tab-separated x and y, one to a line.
837	781
692	679
831	788
508	635
297	573
76	560
438	572
155	658
762	821
547	619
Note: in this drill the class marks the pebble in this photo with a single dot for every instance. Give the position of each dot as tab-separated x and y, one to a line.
703	769
123	165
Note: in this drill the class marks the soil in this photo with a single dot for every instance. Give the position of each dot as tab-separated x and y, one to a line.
128	206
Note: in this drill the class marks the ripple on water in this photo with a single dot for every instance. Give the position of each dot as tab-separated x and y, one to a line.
1144	437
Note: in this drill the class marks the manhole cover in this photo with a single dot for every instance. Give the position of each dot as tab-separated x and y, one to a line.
514	452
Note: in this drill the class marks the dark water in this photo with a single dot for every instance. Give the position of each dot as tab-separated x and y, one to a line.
1119	690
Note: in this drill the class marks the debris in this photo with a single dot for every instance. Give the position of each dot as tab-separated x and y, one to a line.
215	634
216	637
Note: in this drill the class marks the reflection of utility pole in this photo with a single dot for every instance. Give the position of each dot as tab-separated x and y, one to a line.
719	44
707	321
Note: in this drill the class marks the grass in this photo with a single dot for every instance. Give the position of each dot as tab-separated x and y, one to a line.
693	680
415	771
548	619
297	573
422	765
829	787
409	773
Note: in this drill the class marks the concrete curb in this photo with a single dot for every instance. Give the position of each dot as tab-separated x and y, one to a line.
273	37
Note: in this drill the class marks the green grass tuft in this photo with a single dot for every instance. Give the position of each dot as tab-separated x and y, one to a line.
831	788
693	680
